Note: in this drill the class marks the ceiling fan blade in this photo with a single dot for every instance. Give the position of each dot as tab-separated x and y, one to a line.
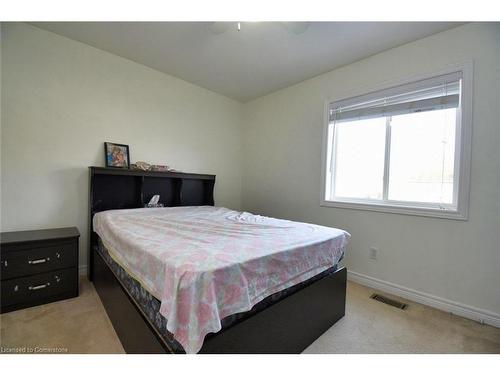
219	27
296	27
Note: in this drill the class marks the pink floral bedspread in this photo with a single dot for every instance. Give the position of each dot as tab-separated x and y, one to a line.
204	263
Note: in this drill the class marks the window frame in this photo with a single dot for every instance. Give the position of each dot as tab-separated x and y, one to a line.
461	183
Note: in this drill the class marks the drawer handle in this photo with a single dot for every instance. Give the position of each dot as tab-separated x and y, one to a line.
5	263
38	261
41	286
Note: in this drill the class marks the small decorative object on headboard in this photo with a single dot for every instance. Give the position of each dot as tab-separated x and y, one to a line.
116	155
153	202
162	168
141	165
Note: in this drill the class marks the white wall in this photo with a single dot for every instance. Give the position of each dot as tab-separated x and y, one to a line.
62	99
455	260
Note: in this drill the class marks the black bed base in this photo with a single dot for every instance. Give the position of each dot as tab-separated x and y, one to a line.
288	326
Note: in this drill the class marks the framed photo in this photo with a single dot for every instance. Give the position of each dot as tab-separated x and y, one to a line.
116	155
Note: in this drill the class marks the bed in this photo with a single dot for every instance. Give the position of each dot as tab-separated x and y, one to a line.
195	278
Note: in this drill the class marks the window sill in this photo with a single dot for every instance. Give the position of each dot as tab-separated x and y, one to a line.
397	209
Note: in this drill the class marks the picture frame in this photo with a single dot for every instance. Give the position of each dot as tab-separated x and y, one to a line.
116	155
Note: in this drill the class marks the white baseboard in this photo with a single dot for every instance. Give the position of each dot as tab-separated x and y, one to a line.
482	316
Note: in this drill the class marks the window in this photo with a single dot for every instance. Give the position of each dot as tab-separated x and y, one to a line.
405	149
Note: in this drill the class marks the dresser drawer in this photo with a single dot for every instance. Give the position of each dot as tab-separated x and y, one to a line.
41	259
38	288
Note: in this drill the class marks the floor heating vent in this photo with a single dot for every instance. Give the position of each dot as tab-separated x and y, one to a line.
388	301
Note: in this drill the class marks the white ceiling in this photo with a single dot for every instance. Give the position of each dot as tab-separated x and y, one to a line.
261	58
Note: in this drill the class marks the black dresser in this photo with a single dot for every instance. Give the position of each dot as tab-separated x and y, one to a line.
38	266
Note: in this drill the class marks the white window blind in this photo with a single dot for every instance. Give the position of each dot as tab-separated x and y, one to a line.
433	94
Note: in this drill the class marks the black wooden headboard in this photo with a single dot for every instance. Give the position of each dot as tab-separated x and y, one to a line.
113	188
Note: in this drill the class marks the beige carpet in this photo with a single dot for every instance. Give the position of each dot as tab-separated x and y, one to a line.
80	325
370	326
77	325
